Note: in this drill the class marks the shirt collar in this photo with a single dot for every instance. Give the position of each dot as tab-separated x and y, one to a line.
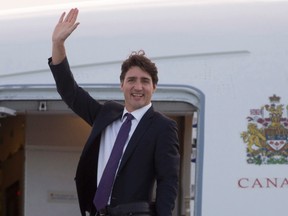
138	114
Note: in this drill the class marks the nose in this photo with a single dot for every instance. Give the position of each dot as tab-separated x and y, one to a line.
138	85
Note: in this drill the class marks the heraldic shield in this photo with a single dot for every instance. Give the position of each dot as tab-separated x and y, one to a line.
267	134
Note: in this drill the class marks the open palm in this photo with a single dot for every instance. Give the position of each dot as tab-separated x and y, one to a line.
65	26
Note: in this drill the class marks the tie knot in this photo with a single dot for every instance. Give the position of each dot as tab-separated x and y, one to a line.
129	116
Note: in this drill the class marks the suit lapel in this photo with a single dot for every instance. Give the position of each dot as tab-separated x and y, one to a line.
110	112
137	135
102	121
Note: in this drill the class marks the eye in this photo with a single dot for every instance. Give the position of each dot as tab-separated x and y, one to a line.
130	80
146	81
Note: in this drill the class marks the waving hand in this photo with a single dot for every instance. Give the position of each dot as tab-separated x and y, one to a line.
65	26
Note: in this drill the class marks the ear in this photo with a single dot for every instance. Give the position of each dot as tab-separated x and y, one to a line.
154	88
121	85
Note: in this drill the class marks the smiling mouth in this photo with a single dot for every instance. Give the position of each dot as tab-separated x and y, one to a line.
137	95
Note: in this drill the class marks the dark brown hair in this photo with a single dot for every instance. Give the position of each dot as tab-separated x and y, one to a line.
140	60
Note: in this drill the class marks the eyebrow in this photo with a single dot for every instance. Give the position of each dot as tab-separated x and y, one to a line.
142	78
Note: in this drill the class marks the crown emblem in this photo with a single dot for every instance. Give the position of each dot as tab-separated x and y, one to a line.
274	99
267	134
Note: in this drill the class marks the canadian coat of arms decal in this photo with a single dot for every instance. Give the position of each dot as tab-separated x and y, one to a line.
267	134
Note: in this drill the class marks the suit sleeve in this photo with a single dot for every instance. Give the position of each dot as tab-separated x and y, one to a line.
167	160
74	96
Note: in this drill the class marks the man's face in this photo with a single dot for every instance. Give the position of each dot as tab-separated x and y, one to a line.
138	88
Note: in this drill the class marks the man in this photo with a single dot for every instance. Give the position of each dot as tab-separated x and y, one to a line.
150	153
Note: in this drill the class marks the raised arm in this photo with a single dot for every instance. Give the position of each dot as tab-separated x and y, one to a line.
65	26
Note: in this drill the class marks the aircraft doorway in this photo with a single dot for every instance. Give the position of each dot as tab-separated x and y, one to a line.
47	184
12	198
12	139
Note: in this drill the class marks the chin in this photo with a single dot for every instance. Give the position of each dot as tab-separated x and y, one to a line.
137	106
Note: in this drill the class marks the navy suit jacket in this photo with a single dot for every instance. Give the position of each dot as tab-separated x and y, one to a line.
151	154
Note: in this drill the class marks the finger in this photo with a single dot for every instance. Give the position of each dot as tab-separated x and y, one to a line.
74	26
67	18
62	17
74	15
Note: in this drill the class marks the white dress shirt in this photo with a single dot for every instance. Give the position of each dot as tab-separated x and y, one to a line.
109	135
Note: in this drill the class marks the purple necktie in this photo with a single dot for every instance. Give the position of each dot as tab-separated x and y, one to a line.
105	185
